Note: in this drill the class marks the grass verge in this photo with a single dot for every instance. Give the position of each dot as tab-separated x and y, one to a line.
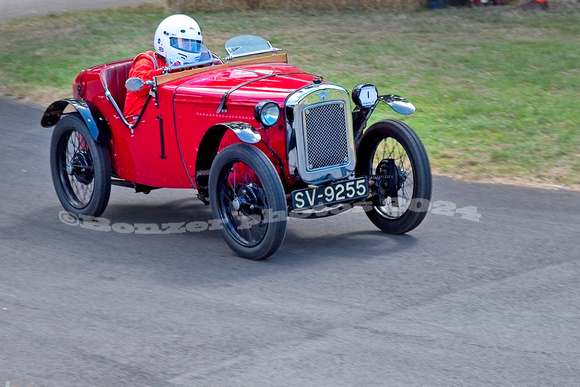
496	89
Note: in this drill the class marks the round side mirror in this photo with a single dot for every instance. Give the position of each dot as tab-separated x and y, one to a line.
134	84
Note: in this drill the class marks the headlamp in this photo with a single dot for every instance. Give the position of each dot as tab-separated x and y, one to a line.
365	95
267	113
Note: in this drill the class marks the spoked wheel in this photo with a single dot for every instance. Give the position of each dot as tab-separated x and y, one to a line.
246	194
81	171
395	158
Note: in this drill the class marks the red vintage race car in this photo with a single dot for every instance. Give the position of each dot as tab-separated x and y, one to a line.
258	139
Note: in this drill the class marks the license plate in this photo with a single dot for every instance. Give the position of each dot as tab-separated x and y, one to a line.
330	194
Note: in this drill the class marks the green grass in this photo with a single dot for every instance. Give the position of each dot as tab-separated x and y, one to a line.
497	89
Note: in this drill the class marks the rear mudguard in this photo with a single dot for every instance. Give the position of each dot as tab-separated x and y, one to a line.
95	122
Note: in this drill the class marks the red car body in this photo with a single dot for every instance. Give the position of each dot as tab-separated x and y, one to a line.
306	159
186	109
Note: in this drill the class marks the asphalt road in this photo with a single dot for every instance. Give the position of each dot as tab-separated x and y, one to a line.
484	292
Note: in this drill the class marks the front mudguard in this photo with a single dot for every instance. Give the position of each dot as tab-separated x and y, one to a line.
210	143
93	119
360	115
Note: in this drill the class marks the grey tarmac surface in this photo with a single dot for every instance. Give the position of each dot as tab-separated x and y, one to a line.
484	292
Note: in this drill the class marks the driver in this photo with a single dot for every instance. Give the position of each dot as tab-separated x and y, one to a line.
178	42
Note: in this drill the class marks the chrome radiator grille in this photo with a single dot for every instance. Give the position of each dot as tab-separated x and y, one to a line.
326	132
319	137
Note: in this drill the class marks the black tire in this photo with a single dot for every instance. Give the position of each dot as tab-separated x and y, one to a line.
247	196
80	167
396	141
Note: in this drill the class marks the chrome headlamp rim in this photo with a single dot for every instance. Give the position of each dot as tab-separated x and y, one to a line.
267	113
370	100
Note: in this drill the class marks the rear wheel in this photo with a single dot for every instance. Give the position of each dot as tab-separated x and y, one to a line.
247	196
80	167
392	154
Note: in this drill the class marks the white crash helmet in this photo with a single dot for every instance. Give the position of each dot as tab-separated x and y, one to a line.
178	39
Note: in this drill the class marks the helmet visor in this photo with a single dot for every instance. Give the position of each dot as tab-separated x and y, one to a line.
185	44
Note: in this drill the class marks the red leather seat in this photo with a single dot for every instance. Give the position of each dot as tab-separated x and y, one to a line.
113	78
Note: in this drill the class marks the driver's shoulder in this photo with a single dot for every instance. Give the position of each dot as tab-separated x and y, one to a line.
149	56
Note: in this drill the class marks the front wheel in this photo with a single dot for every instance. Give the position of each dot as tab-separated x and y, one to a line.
80	167
394	157
247	196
